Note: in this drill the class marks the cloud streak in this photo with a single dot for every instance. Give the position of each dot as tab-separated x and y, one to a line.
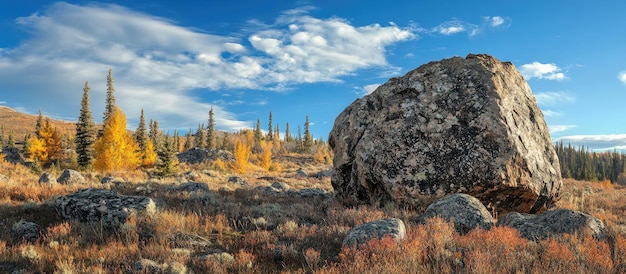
159	65
541	71
596	142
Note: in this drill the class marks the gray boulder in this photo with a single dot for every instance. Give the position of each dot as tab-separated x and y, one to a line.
464	211
70	176
378	229
102	206
47	178
553	223
25	231
460	125
201	155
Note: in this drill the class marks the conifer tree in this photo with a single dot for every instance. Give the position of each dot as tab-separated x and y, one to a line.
154	134
308	139
270	133
188	141
299	143
26	146
110	100
277	133
141	134
39	123
11	139
258	135
167	161
116	149
210	134
176	140
287	133
199	142
86	132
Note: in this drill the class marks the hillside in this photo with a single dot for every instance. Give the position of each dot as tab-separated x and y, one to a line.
22	123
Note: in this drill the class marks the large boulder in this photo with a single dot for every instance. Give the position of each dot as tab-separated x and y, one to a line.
12	155
464	211
103	207
553	223
201	155
389	227
70	176
461	125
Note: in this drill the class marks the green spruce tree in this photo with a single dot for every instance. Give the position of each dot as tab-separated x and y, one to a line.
110	100
308	138
86	133
270	132
210	134
141	133
199	142
258	135
188	140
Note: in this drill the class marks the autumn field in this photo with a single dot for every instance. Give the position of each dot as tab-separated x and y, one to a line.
234	229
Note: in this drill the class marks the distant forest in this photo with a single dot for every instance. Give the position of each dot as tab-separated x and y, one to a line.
581	163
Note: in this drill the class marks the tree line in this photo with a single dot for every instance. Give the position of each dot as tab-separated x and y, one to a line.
109	147
581	163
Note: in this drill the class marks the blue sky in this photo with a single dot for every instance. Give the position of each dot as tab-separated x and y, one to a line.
176	59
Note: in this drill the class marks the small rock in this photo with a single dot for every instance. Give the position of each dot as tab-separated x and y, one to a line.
238	181
281	186
301	173
313	192
375	230
47	178
465	211
4	179
70	176
25	231
191	176
110	180
553	223
323	174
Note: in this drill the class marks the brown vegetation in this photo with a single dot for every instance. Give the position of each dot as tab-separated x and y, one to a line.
22	124
268	234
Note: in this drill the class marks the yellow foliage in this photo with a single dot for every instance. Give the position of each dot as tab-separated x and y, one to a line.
323	155
219	164
116	150
37	149
149	155
265	157
242	156
47	147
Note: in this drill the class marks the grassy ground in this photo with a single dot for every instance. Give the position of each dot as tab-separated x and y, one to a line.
274	234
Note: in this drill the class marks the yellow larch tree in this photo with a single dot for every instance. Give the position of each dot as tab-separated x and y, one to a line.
265	156
45	148
116	149
242	155
149	155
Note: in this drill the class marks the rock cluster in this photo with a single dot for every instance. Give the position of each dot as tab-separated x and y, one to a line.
12	155
47	178
200	155
552	223
464	211
467	213
461	125
101	206
390	227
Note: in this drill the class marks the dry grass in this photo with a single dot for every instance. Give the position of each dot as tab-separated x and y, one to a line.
272	234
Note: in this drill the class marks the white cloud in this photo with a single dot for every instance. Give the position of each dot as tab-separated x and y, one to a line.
622	77
559	128
551	113
451	27
541	71
157	64
496	21
368	89
596	142
553	98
